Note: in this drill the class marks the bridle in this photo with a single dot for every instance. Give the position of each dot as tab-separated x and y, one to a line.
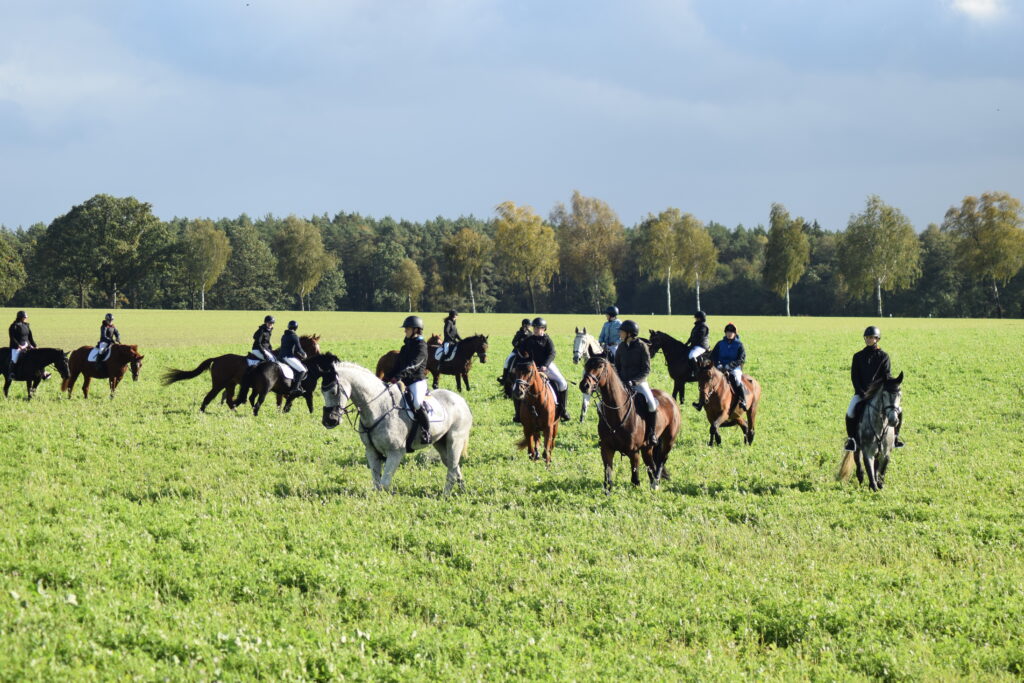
888	409
351	410
527	383
602	405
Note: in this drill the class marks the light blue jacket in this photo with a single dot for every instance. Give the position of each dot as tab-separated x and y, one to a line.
610	333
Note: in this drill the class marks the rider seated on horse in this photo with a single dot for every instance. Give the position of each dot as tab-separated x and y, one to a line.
633	365
451	335
609	338
729	356
539	348
261	345
411	368
108	336
21	340
869	365
522	333
698	341
291	353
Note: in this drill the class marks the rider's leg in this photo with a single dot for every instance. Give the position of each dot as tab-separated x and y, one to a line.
851	424
691	358
736	378
418	392
300	374
12	365
562	388
650	417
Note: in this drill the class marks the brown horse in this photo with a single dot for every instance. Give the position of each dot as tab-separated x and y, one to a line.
121	356
538	410
621	429
387	362
461	362
719	406
227	372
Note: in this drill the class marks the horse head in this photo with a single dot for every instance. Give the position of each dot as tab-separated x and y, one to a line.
310	344
894	395
595	375
335	396
61	363
135	362
577	345
657	339
524	375
481	347
434	340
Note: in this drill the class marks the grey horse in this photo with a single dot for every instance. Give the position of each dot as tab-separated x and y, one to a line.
383	424
876	434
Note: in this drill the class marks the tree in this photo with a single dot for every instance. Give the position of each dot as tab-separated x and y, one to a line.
466	253
205	251
787	254
658	255
301	257
591	240
249	281
698	257
526	248
408	281
989	238
879	251
12	270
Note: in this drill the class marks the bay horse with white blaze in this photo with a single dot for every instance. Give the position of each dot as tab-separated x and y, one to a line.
720	404
538	409
122	356
876	433
621	429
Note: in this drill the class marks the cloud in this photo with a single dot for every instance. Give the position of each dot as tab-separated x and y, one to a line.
980	10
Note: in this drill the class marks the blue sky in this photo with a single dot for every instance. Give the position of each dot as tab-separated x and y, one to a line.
420	108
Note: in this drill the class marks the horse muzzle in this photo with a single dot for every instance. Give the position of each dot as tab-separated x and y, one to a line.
332	418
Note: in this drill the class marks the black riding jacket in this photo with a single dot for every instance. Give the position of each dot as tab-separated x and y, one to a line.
20	334
633	361
451	333
291	347
411	365
541	350
869	364
699	336
261	339
521	334
109	334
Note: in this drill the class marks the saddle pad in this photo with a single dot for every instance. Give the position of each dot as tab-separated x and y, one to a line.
252	362
439	354
435	411
286	370
93	355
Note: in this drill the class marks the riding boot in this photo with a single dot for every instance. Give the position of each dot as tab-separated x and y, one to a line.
741	394
515	416
699	404
297	389
650	421
851	434
899	442
424	422
563	413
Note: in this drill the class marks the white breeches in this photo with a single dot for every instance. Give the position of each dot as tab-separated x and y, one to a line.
508	361
737	374
853	405
418	392
555	375
15	353
645	389
264	356
295	364
697	351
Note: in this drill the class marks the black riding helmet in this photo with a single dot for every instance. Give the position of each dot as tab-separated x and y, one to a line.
540	322
293	325
701	316
109	317
452	313
730	328
629	327
21	315
526	322
613	311
872	331
269	319
413	321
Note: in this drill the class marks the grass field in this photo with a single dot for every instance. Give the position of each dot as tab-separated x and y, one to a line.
139	538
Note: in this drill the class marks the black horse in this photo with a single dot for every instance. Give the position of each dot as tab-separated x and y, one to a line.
31	367
266	377
676	357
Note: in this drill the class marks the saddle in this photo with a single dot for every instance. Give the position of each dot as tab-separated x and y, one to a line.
434	410
94	354
440	356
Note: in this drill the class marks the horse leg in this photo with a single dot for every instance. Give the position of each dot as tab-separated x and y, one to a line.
550	434
72	378
7	384
608	458
113	385
858	460
86	381
742	424
435	374
883	465
394	459
465	379
458	382
309	401
375	463
210	395
869	467
229	396
713	431
751	415
634	462
256	401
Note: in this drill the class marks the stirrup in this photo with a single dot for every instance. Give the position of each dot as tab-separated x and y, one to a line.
851	444
898	443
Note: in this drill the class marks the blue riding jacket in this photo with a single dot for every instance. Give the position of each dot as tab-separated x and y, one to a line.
610	333
730	354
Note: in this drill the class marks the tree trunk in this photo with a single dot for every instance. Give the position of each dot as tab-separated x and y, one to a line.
113	296
995	290
81	296
533	300
202	299
472	297
302	303
668	289
698	292
408	298
878	295
787	298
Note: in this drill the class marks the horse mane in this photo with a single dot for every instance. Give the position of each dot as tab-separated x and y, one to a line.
475	337
881	383
311	337
669	340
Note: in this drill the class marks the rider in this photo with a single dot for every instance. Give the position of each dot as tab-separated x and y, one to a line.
633	364
291	353
609	339
261	349
729	357
698	341
522	333
869	364
411	368
21	339
108	336
539	348
451	335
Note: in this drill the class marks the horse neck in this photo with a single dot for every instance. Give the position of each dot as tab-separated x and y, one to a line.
365	389
613	394
467	347
591	345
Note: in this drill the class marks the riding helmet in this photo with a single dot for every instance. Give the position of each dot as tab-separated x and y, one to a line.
629	327
526	321
269	319
540	322
701	316
613	311
452	313
413	321
293	325
873	331
730	328
109	317
21	315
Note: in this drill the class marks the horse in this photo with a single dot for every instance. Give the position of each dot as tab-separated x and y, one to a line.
386	363
538	409
677	359
31	366
585	347
876	433
227	372
267	377
621	430
460	363
383	422
121	356
719	406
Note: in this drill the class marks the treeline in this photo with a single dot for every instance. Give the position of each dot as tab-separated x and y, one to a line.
112	252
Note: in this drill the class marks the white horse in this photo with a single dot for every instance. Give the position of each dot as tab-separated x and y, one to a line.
876	434
584	346
383	422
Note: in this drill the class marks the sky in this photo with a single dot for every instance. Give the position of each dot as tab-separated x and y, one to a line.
423	108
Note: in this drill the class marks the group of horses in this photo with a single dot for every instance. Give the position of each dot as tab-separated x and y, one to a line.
32	365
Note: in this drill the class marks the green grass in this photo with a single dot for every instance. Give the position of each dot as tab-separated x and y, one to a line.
139	538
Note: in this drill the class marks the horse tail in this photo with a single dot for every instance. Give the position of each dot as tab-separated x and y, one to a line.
845	466
172	375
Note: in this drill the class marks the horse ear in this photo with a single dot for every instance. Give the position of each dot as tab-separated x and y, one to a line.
577	330
899	379
142	356
584	329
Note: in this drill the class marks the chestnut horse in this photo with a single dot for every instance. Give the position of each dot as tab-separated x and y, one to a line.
719	406
227	372
621	429
460	363
387	362
121	356
538	409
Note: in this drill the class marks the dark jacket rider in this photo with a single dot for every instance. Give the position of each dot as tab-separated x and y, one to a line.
261	339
